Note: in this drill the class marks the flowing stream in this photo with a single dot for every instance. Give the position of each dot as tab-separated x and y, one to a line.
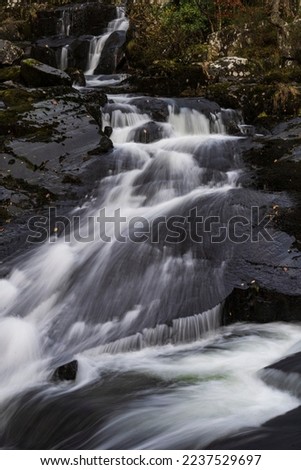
97	44
142	315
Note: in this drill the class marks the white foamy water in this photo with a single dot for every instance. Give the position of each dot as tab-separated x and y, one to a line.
212	388
97	44
64	58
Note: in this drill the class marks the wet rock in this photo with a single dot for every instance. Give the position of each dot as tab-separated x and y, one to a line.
66	372
257	304
10	73
93	97
104	146
37	74
77	76
202	105
290	364
154	107
79	52
112	53
74	20
147	133
9	53
108	131
255	99
48	50
231	68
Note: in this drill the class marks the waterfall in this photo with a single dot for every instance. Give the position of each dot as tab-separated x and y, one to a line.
163	169
64	23
134	292
64	58
98	42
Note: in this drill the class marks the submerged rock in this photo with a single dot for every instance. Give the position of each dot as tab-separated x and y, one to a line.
66	372
9	53
37	74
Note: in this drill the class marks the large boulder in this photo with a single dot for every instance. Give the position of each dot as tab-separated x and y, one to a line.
48	50
229	41
231	68
9	53
75	20
78	52
37	74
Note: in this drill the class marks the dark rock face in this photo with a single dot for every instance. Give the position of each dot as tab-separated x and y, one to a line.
9	53
66	372
77	76
45	159
37	74
76	20
112	53
48	50
256	99
79	51
260	305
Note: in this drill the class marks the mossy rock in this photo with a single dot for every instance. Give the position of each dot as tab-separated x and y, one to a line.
257	99
10	73
19	99
37	74
170	78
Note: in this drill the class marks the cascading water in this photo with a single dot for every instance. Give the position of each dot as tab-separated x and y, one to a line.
64	23
97	44
64	58
137	314
135	290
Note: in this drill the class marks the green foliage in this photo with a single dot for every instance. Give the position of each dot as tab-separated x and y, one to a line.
187	16
165	32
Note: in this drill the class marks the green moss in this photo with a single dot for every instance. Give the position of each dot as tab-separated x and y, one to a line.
18	99
10	73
